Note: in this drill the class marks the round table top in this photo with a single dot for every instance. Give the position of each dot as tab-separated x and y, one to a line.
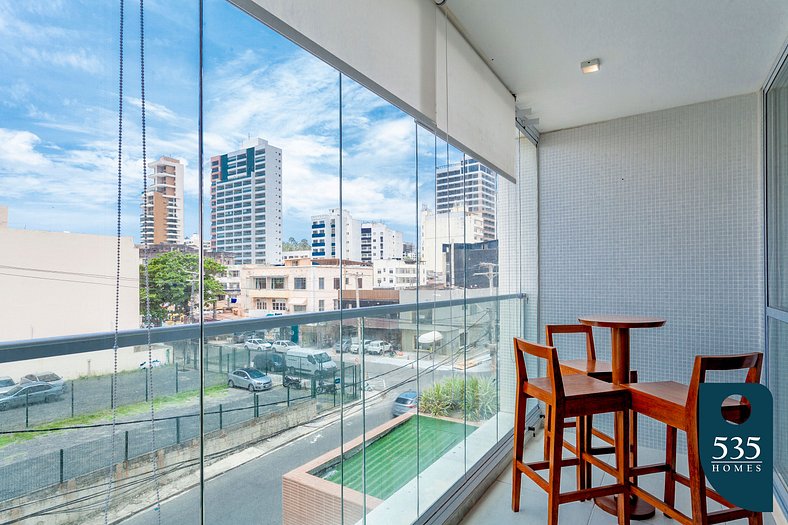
621	321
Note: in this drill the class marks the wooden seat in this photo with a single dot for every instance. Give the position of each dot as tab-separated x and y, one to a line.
570	396
676	405
592	367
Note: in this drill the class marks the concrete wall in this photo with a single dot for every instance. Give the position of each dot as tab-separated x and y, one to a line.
657	214
56	283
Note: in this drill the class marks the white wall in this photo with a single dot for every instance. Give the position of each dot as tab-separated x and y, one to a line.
57	284
657	214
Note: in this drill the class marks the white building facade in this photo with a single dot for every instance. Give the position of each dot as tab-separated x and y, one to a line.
378	242
398	274
246	203
326	240
298	286
448	228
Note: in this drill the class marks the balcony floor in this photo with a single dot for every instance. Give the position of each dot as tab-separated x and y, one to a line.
495	505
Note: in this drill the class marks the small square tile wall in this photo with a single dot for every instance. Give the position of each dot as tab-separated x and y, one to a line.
658	214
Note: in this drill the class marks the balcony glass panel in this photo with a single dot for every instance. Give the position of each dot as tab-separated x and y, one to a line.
288	407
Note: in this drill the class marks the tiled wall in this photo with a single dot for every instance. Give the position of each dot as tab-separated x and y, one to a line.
657	214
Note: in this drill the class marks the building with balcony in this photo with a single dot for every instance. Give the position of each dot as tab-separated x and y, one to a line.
336	235
162	208
638	152
469	185
298	286
246	203
398	273
378	241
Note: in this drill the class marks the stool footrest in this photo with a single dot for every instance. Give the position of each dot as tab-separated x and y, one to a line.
661	505
595	492
721	516
604	437
600	464
645	470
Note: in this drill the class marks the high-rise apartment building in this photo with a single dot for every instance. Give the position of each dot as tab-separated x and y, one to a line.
379	242
473	181
326	230
161	213
246	203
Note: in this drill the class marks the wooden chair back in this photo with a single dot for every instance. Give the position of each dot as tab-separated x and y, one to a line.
753	363
552	329
547	353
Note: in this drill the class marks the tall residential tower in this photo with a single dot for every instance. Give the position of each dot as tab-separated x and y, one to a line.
246	203
473	181
161	214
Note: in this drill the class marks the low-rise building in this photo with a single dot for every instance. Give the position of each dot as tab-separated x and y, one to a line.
398	273
299	286
449	227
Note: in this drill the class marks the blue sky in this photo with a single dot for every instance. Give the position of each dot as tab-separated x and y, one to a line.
58	117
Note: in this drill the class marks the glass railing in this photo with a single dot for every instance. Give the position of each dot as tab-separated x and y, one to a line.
368	414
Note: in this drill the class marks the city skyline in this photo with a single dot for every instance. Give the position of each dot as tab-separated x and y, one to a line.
59	120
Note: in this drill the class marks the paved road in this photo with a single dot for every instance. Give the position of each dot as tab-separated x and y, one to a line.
252	493
29	465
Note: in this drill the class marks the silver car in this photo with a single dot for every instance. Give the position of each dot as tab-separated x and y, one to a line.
6	384
404	403
47	377
30	393
249	378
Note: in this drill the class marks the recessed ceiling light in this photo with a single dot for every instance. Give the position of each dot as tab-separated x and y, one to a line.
590	66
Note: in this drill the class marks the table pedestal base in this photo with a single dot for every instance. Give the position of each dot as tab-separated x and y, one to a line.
641	510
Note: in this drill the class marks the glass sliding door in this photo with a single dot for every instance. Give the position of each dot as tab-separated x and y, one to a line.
776	149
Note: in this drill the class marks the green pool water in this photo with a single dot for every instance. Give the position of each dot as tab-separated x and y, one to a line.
391	458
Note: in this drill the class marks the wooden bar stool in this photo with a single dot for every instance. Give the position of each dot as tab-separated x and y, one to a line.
571	396
592	367
676	405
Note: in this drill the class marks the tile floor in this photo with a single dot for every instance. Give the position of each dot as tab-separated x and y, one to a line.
495	505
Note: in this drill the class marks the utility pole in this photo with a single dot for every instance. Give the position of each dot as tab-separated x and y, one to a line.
491	273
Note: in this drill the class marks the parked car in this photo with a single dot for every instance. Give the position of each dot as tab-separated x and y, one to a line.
283	345
155	363
30	392
240	337
344	346
310	362
377	347
404	403
354	348
256	344
47	377
269	361
6	384
250	379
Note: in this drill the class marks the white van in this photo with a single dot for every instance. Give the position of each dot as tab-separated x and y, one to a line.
310	362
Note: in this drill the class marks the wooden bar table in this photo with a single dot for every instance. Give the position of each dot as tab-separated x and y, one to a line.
619	331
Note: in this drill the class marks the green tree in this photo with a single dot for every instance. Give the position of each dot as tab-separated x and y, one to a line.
173	283
292	244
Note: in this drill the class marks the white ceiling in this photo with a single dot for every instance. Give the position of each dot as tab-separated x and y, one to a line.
653	54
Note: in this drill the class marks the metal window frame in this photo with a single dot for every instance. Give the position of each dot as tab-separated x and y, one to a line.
26	350
770	314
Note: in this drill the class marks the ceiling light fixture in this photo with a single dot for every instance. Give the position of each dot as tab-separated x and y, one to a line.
590	66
